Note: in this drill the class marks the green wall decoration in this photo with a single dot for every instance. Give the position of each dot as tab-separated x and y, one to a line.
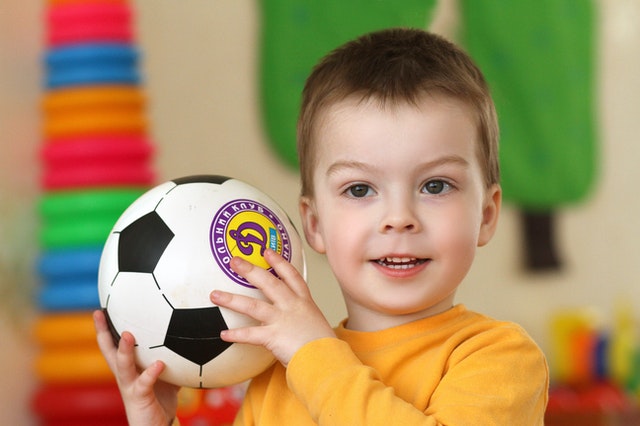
539	57
297	33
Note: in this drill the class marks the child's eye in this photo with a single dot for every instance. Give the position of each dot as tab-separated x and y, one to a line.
359	190
436	187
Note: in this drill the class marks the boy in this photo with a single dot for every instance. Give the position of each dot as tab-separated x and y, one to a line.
397	140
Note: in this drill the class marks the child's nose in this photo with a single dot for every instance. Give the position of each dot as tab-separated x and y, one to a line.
400	216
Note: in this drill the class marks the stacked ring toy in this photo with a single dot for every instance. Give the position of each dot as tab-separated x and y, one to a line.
92	21
96	160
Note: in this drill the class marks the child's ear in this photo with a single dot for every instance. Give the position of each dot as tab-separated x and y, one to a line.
310	224
490	214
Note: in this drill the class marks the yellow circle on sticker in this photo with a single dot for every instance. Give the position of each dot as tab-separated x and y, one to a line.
249	233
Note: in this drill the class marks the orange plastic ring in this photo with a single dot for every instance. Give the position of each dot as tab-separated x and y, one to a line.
82	98
79	365
65	330
96	121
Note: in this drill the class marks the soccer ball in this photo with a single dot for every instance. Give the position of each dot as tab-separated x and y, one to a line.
165	255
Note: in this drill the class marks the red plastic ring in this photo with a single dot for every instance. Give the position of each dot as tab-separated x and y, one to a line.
75	402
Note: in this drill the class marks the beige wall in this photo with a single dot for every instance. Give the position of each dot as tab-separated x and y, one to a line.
200	65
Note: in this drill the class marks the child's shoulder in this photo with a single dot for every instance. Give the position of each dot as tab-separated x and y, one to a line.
479	323
479	332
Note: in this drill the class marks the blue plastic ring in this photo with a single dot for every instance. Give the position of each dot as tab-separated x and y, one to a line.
98	74
91	53
71	296
59	265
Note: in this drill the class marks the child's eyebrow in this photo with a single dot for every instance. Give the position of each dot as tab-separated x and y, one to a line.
344	165
358	165
446	160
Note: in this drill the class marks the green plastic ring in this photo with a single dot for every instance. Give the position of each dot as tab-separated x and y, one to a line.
62	204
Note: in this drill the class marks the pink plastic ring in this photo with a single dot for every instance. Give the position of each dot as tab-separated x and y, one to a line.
97	148
90	13
83	176
54	3
105	32
89	22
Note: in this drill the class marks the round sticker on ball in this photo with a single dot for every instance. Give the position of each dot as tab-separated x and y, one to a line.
246	228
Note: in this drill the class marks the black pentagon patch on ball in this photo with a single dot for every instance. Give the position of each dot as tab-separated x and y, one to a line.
215	179
194	334
142	243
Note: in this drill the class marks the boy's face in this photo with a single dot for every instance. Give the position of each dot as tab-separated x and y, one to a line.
399	206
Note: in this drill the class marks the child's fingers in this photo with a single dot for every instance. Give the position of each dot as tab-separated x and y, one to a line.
125	360
250	335
105	340
120	359
254	308
262	279
149	376
287	272
276	289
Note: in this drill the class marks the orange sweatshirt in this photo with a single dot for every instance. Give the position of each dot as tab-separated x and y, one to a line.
455	368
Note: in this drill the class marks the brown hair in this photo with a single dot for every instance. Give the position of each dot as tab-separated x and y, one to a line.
393	66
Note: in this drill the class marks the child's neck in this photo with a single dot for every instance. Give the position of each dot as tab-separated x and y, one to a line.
361	319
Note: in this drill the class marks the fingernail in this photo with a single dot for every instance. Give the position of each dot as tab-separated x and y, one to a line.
239	264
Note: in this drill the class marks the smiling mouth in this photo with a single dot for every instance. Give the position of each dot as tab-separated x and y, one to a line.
400	262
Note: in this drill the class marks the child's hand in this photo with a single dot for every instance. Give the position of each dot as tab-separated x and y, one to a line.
288	321
147	400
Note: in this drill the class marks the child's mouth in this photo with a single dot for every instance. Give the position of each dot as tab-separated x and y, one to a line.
400	262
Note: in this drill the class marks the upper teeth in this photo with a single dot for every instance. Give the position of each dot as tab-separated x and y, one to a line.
399	259
399	262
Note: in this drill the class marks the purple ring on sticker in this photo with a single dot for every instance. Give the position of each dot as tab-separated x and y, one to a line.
246	228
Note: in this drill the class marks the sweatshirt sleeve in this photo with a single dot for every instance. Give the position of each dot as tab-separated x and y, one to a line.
344	391
486	383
